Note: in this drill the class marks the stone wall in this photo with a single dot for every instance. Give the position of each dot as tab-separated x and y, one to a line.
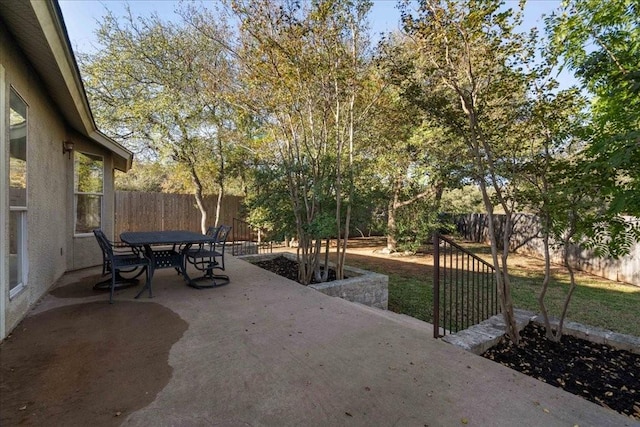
361	286
480	338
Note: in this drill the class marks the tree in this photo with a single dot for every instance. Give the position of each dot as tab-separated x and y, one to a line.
600	41
570	200
579	194
466	68
154	86
145	177
304	74
554	185
413	159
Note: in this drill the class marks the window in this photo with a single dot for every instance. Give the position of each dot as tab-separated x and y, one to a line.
88	189
17	193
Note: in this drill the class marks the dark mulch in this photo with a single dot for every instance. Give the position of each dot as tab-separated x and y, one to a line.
288	268
597	372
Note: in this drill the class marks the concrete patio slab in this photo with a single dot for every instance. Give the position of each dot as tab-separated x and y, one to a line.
265	351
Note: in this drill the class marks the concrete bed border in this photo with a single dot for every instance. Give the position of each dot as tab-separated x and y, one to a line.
479	338
362	286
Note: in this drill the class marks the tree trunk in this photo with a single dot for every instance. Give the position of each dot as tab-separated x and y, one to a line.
438	195
482	154
220	179
392	242
545	286
199	199
512	329
572	288
567	263
219	205
505	305
392	209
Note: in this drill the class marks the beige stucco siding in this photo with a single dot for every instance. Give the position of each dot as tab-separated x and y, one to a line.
52	247
84	249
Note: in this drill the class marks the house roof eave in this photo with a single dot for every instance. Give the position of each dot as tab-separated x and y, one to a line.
39	29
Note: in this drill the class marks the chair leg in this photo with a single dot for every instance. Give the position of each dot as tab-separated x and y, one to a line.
113	285
149	277
147	285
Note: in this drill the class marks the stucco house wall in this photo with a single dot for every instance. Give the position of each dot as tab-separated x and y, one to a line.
46	178
52	247
83	249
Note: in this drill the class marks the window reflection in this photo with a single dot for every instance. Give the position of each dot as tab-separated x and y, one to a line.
17	193
17	151
88	185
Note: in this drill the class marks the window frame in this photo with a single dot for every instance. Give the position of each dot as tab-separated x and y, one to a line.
76	193
23	267
22	210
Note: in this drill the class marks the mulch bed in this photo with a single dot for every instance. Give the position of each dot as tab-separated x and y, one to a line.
596	372
288	268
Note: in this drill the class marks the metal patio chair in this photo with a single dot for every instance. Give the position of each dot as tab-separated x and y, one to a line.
116	259
125	277
210	256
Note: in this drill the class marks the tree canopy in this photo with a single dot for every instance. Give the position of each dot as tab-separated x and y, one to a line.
290	104
600	42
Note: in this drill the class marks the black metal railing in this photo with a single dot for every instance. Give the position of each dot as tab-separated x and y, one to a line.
464	288
247	240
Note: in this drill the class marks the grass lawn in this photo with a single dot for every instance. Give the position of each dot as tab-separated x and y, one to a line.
596	301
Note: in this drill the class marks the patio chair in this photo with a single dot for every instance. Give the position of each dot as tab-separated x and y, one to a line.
196	250
120	249
210	256
117	260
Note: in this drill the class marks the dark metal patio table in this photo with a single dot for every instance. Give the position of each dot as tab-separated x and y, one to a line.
166	257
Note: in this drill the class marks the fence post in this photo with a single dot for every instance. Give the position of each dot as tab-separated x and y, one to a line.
436	285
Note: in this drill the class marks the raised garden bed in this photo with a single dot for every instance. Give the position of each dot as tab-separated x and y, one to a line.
597	372
599	365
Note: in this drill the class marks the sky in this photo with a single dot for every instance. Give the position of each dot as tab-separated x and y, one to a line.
82	18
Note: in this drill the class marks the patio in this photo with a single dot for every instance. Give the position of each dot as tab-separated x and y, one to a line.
262	350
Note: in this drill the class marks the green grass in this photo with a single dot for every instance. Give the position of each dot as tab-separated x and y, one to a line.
409	293
411	296
596	302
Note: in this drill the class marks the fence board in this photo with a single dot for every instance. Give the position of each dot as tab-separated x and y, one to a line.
136	211
526	238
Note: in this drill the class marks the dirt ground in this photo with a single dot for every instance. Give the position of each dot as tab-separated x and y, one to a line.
363	248
61	359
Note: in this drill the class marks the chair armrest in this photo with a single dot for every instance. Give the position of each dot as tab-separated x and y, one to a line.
122	248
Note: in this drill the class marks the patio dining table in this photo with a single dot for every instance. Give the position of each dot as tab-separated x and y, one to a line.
163	256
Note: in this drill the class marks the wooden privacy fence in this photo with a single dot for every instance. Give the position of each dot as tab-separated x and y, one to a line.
526	238
137	211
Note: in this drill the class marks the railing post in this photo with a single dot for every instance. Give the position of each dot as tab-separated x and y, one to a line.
234	223
436	285
461	302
